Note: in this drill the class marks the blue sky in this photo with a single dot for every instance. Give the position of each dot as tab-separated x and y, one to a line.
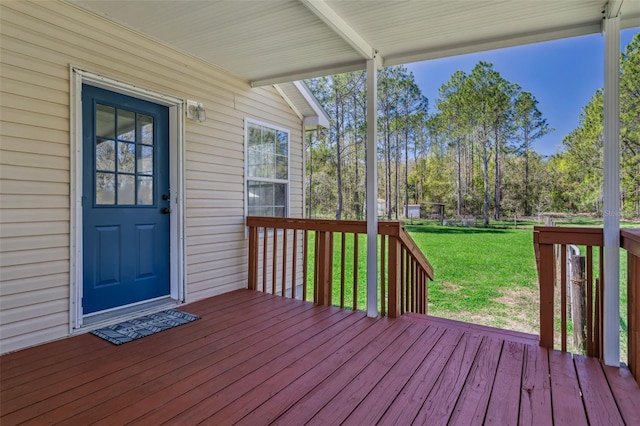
563	75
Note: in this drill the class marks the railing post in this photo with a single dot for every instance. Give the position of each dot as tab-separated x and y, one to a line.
253	258
393	276
546	278
633	314
630	241
324	254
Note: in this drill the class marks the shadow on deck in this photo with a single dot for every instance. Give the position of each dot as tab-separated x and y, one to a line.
258	359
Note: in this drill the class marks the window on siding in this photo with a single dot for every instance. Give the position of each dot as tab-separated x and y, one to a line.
267	170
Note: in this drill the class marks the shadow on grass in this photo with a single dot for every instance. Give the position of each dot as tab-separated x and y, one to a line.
452	230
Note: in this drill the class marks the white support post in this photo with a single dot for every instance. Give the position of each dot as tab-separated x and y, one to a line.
611	190
372	188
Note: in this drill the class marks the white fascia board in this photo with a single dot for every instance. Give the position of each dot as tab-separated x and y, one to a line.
492	44
323	11
321	114
330	69
289	102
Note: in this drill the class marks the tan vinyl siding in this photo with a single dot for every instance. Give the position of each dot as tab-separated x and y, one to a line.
40	41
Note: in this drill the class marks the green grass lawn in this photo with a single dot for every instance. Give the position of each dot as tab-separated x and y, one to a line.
484	276
477	273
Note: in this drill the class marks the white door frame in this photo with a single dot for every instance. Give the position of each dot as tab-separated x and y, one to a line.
176	165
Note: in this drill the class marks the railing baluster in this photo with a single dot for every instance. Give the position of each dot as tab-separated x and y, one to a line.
602	283
409	282
633	270
596	338
265	233
316	263
403	296
355	271
330	281
253	258
423	298
305	264
293	263
284	263
422	293
342	268
383	293
274	261
393	273
325	261
414	285
563	296
590	349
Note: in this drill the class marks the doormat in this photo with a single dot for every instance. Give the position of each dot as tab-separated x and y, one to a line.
147	325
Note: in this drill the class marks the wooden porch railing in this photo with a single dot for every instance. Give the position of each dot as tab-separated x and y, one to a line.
281	260
630	241
550	243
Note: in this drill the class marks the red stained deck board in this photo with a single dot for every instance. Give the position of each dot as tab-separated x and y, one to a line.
474	397
442	399
535	393
243	377
315	390
165	368
513	336
96	350
18	362
132	355
221	368
565	390
626	393
600	406
257	358
233	402
396	357
413	394
376	402
504	405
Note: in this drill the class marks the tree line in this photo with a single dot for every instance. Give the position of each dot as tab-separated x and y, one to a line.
472	151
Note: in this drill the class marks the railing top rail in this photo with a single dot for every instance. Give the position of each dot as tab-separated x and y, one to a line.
630	241
568	235
391	228
353	226
415	251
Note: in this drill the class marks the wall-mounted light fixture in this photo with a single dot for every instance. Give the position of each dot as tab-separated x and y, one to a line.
196	111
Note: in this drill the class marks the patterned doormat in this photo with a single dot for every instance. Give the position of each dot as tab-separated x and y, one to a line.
147	325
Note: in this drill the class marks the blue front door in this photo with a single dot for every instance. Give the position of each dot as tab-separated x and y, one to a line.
125	200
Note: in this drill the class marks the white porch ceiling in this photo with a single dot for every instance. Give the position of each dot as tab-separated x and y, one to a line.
274	41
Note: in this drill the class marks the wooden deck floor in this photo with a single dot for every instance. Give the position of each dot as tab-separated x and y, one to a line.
256	359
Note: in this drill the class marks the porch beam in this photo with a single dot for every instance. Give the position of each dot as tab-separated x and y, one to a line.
612	9
372	188
611	185
323	11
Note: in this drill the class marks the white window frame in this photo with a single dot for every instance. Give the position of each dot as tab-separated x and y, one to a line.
78	76
247	178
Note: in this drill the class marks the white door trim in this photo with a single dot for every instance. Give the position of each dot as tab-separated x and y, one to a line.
176	165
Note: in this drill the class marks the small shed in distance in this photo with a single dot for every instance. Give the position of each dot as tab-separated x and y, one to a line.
432	211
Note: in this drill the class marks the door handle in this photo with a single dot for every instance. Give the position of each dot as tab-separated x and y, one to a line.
165	210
